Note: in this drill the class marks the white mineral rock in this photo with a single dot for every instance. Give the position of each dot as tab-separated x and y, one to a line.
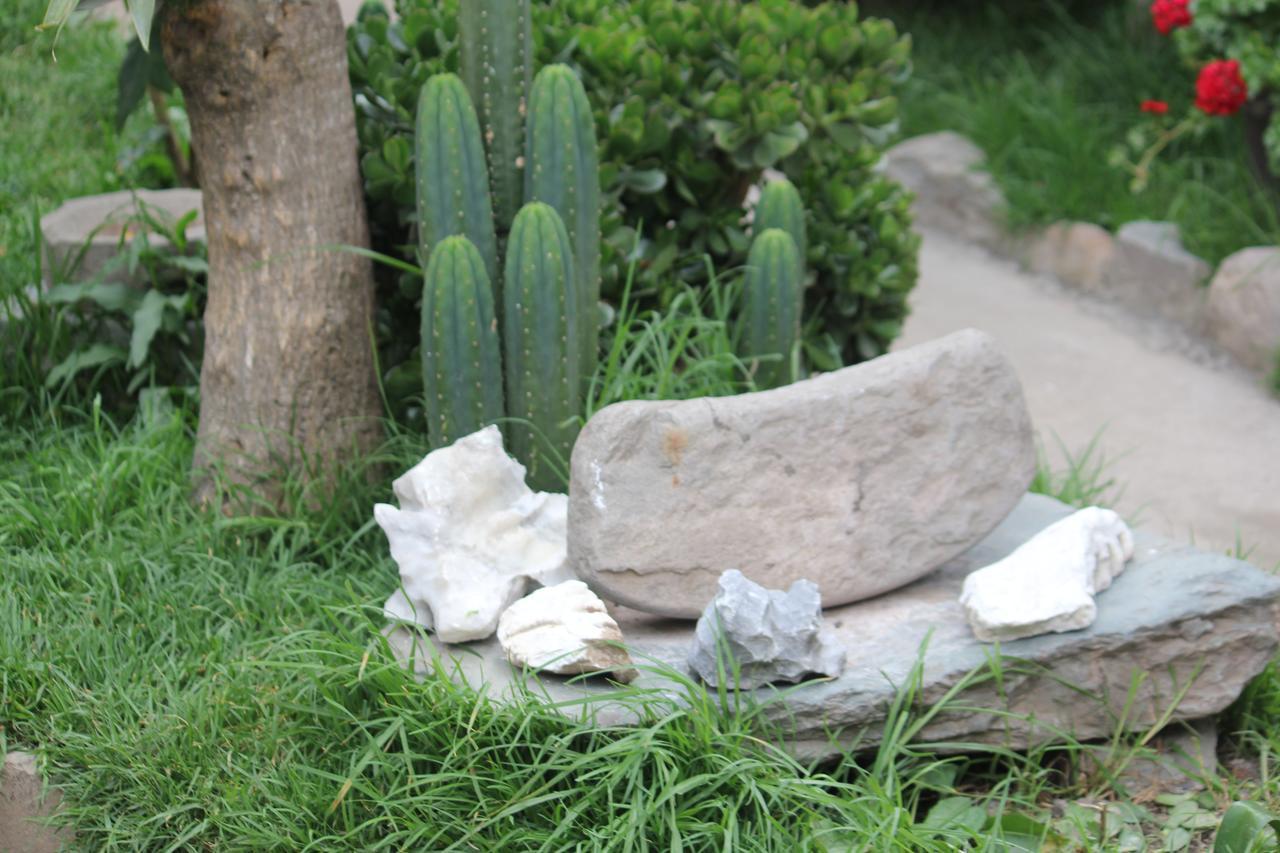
1048	583
468	537
564	629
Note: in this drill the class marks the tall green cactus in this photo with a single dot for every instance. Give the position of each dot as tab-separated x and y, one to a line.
563	171
769	323
540	339
495	43
780	207
461	364
453	184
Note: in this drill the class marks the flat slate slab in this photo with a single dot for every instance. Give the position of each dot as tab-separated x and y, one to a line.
1179	627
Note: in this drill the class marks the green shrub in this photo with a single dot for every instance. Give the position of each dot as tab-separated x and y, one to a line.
693	100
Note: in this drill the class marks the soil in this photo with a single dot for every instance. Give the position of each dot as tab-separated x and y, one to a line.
1193	440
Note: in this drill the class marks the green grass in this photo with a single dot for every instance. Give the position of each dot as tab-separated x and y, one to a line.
1048	92
192	680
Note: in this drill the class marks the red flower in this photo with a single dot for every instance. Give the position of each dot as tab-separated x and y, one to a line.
1157	107
1220	90
1168	15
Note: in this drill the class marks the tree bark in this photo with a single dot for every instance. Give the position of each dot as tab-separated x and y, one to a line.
287	385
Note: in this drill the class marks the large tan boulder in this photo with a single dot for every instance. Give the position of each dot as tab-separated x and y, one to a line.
860	480
1244	306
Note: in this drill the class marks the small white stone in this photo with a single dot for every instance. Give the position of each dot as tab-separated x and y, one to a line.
564	629
1048	583
468	537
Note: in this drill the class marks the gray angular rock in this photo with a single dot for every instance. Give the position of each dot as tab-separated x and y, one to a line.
1151	272
1244	307
1179	623
954	192
771	636
95	225
860	480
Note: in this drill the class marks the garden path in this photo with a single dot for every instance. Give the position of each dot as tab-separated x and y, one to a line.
1196	446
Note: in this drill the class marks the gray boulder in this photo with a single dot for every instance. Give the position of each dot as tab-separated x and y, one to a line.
1152	273
769	635
860	480
954	192
82	235
1244	307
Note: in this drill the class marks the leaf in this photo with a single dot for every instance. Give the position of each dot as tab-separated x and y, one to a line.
131	85
94	356
110	296
956	813
142	12
188	263
644	181
1242	826
57	13
146	322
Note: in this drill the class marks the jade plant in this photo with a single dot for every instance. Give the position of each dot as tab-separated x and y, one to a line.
543	299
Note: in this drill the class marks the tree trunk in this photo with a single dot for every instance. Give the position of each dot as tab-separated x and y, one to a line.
287	383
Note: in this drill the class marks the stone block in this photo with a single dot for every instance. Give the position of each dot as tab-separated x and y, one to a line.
1244	307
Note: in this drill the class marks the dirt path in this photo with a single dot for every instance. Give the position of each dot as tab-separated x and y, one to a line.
1196	447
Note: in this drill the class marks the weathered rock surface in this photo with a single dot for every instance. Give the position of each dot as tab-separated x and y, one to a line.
1048	584
469	537
770	636
95	225
25	806
1078	254
566	630
1244	307
860	480
953	190
1152	273
1176	619
1143	268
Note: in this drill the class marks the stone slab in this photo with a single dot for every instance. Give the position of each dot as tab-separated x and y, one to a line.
860	480
82	235
1178	627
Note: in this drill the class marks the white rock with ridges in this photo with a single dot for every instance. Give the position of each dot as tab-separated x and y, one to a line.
1048	584
469	537
564	629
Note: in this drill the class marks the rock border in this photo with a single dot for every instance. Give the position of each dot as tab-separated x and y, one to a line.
1142	268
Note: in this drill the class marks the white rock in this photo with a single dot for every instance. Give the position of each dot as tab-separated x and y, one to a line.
1048	583
564	629
468	537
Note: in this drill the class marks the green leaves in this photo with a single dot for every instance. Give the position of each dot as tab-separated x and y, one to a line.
1245	827
141	12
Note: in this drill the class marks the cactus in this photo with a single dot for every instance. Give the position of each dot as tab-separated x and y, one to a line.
540	339
453	184
461	364
780	207
770	320
562	170
495	39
